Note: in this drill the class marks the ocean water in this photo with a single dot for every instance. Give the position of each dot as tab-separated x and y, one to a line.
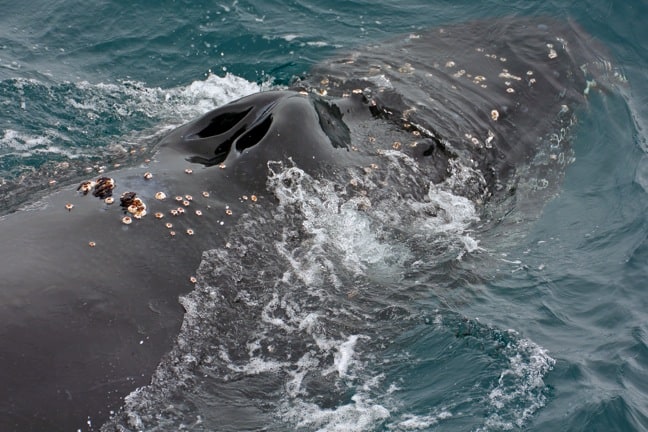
397	319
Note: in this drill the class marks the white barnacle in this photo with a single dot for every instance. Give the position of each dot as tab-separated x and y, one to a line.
109	200
510	90
590	84
450	64
86	186
494	114
127	220
160	196
406	68
148	176
459	73
489	139
506	75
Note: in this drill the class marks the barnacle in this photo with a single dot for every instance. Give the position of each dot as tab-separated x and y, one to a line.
103	187
86	187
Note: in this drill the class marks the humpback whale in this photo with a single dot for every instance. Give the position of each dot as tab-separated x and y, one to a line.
91	275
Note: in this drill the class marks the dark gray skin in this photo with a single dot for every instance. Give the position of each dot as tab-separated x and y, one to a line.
81	326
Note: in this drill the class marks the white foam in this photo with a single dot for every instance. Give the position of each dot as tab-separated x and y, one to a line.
289	37
337	225
344	355
520	389
380	80
419	422
318	44
21	144
360	415
444	209
181	103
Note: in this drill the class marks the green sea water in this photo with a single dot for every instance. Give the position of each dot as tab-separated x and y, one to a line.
545	329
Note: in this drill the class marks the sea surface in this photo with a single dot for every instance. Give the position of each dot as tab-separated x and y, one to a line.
537	323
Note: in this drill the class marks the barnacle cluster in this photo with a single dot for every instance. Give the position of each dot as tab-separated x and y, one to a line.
101	188
104	187
86	186
133	204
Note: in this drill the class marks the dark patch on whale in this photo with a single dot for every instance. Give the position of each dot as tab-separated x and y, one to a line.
81	326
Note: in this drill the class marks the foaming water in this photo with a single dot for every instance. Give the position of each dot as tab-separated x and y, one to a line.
302	320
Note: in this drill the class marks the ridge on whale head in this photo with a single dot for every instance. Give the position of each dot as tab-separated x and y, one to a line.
89	304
